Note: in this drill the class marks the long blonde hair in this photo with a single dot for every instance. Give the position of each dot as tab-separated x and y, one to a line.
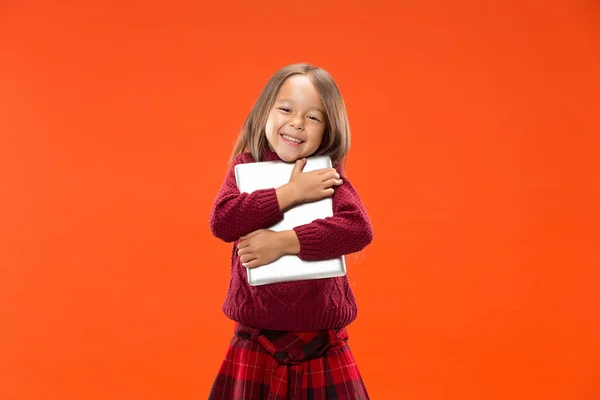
336	138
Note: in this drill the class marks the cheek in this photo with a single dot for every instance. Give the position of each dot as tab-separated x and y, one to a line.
269	127
318	137
272	125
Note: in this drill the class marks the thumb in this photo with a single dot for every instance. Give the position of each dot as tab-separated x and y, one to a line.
298	166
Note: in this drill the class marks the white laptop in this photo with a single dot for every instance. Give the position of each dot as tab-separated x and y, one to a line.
272	174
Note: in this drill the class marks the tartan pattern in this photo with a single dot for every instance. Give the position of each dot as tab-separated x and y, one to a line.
276	365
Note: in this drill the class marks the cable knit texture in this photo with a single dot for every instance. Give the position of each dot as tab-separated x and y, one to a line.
309	305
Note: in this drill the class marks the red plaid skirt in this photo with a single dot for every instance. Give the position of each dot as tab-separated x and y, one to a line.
274	365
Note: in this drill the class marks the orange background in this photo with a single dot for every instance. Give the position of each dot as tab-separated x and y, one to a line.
475	129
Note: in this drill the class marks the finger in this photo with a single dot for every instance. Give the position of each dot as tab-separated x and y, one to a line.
247	258
243	244
328	192
332	182
326	170
330	175
252	264
299	166
243	251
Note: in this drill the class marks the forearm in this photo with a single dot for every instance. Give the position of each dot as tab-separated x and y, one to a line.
236	214
286	197
333	237
348	231
289	243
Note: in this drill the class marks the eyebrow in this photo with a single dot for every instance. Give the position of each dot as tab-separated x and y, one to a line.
292	101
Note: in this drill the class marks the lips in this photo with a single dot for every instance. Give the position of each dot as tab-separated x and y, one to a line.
291	140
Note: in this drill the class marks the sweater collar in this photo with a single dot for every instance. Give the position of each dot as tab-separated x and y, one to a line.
270	155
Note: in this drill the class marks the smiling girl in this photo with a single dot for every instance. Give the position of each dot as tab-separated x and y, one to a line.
290	339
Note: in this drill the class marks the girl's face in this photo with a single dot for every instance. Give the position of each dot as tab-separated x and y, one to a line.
296	122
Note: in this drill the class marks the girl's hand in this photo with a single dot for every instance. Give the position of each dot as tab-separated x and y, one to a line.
305	187
260	247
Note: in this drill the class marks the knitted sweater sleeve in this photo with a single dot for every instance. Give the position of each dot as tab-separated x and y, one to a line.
234	214
348	231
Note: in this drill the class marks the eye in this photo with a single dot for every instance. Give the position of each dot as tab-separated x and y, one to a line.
314	118
285	109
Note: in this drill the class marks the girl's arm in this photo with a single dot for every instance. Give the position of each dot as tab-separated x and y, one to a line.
234	214
348	231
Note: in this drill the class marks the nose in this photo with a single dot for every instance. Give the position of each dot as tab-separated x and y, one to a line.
297	123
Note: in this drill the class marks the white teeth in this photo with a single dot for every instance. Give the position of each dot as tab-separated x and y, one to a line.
291	139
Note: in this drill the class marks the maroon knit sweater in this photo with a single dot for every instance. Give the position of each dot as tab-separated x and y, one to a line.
308	305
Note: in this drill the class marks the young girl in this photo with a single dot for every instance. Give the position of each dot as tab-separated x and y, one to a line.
290	340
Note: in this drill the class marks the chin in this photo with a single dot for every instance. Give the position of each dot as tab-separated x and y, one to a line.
289	159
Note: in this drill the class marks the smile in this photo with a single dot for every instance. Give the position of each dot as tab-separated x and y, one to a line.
291	140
